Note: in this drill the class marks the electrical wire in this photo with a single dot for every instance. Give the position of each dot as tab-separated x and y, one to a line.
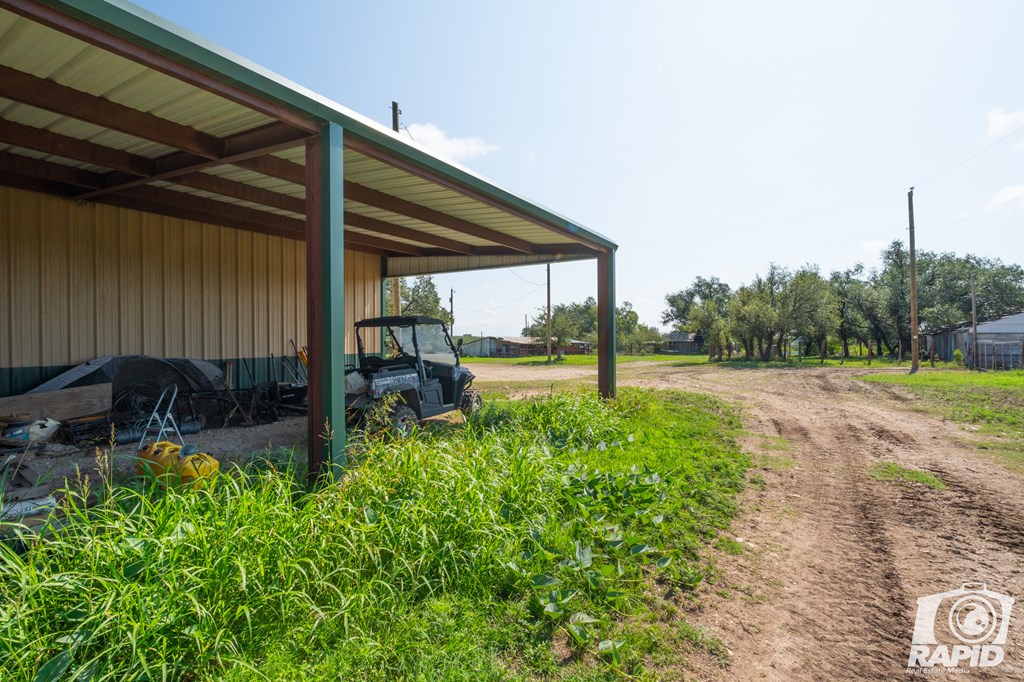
536	284
508	303
972	156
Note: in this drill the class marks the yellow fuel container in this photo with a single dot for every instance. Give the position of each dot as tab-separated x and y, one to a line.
197	471
157	459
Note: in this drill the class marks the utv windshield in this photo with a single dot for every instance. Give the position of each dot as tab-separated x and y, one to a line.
432	340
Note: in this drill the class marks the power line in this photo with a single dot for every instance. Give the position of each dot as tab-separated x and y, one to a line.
502	305
524	279
972	156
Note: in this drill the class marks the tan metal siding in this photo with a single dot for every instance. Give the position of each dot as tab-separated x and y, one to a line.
81	280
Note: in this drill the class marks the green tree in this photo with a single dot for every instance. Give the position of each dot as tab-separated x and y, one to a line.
681	303
851	323
712	325
811	308
420	297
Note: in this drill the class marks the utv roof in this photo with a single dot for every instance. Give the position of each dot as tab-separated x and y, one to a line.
397	321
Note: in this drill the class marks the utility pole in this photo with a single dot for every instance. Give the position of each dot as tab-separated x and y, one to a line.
915	355
974	325
549	312
451	311
396	283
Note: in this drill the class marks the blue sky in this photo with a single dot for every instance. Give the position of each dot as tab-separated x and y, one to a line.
705	138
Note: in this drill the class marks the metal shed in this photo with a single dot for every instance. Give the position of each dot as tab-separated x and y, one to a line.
1000	343
161	195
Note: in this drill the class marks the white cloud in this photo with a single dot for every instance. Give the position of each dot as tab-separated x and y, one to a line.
452	148
1005	197
1002	123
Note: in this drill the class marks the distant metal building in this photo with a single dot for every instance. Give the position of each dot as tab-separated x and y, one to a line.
483	347
519	347
686	343
1000	343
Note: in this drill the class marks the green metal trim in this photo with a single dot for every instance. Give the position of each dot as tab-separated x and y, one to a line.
169	40
332	214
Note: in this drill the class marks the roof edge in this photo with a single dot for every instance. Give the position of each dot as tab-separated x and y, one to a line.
134	23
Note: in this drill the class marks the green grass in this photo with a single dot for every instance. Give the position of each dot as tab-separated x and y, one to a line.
702	639
991	401
462	553
891	471
992	398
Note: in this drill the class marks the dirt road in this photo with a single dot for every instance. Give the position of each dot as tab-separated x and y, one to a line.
834	560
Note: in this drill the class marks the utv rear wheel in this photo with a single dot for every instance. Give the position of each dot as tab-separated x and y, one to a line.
403	420
471	402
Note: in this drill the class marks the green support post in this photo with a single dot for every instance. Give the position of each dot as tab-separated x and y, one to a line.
325	258
606	324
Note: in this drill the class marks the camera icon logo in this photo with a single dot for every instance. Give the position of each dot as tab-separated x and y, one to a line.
969	625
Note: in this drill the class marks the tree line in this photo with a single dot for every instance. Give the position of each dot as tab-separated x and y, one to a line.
780	307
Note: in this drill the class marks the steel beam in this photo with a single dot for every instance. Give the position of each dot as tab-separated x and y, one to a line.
388	202
325	296
134	52
60	99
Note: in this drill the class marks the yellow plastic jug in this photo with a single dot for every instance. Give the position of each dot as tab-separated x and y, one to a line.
157	459
197	471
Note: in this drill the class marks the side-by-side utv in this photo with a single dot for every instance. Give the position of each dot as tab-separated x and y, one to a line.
421	364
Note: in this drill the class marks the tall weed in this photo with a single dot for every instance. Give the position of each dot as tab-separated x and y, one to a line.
537	516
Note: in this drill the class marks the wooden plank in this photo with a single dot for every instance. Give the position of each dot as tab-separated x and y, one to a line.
60	99
27	493
67	403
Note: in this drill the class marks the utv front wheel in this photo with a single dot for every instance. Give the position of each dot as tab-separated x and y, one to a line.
403	420
471	402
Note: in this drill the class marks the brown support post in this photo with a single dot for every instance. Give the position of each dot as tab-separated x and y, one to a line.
325	260
606	324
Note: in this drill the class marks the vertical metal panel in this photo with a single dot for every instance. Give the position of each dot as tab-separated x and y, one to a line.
79	280
362	296
211	278
130	332
192	288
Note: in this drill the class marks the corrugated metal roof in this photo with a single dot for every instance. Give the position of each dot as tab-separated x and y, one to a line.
33	48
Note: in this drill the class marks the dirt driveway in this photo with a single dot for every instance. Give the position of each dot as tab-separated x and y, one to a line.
834	561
